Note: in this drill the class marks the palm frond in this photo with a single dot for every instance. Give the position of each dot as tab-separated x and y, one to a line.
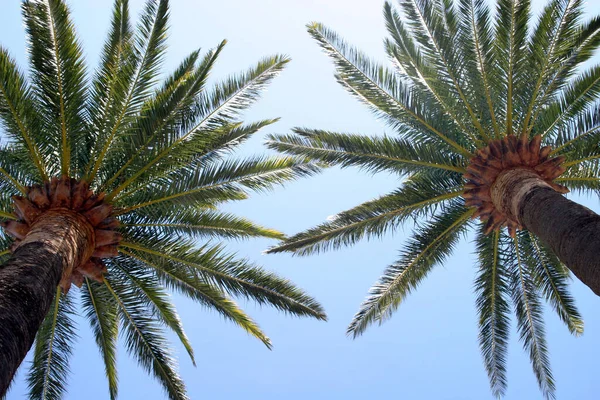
418	197
101	310
530	324
577	97
237	277
551	41
15	171
436	42
228	180
477	35
18	111
492	288
58	74
214	109
422	71
583	48
511	34
147	289
383	93
582	177
197	224
186	282
162	115
578	138
429	246
200	152
111	83
144	339
370	153
53	348
142	58
553	280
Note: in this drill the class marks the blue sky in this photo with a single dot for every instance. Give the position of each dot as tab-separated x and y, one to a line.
428	350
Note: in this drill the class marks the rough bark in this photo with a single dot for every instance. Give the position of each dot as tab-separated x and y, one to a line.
57	242
570	230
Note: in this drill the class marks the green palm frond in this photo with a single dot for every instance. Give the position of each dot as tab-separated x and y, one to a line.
197	224
161	113
59	75
464	74
586	41
237	277
415	61
148	289
513	54
418	197
185	281
552	40
145	340
13	178
577	97
111	84
380	89
161	151
373	154
429	246
583	177
476	37
101	310
530	323
491	287
18	111
552	279
435	44
210	111
229	180
577	138
53	348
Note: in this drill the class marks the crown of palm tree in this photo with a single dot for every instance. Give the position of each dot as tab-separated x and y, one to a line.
468	84
153	157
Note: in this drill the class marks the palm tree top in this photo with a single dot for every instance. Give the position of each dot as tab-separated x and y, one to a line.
147	165
473	92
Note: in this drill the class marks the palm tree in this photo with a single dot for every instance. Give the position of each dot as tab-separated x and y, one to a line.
472	98
109	183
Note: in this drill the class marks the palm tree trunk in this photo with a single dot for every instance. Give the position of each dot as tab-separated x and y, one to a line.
58	241
570	230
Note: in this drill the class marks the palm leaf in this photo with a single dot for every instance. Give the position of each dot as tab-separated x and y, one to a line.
513	54
418	197
372	154
528	310
229	98
197	224
236	277
186	282
58	74
53	348
101	310
147	288
491	286
426	21
381	91
428	247
553	280
18	111
144	339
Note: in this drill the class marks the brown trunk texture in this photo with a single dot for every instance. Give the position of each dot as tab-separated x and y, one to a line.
57	241
570	230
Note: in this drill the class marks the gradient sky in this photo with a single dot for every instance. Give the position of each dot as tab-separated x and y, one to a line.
428	350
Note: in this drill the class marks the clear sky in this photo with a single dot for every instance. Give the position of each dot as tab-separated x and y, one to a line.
428	350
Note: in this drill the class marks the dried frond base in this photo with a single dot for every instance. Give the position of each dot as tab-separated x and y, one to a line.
501	155
68	193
